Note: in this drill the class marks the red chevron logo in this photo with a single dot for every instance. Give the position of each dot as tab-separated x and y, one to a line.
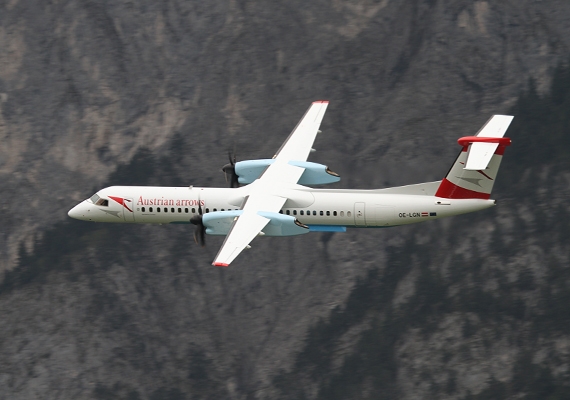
122	202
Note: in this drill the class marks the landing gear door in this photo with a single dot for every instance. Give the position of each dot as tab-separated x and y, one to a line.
359	218
128	210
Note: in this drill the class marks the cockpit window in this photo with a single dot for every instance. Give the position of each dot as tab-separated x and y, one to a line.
102	202
94	198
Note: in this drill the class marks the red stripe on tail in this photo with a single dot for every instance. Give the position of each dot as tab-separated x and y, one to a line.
449	190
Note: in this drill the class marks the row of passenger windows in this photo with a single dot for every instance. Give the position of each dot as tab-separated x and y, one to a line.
172	209
328	213
288	212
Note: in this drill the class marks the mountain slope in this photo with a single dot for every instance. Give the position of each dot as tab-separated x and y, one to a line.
98	93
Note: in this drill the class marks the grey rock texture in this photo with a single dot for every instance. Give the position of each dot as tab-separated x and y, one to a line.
137	312
84	84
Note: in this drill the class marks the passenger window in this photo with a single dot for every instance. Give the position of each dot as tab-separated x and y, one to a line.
328	213
207	210
157	209
314	213
214	209
348	213
280	211
322	213
179	210
294	212
222	209
193	211
302	212
288	212
143	209
186	210
334	213
150	209
342	213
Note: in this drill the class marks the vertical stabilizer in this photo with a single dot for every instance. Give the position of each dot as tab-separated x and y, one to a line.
473	174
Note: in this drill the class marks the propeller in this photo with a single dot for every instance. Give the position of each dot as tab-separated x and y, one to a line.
200	231
231	170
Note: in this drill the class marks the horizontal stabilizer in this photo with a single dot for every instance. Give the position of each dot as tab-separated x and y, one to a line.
481	150
479	155
496	126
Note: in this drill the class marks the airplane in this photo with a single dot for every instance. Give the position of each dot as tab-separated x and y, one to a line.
276	199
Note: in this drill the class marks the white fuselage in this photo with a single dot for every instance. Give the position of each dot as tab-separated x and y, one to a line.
313	207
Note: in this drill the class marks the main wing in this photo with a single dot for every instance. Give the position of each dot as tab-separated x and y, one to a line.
263	195
299	143
247	226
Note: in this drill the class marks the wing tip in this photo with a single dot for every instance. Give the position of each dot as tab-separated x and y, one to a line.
321	102
220	264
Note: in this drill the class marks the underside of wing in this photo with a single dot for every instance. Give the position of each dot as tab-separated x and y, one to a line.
299	143
297	147
247	226
263	202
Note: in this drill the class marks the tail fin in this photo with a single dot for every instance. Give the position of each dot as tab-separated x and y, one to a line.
473	174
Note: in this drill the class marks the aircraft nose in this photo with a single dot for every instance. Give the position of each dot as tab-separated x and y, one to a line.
79	211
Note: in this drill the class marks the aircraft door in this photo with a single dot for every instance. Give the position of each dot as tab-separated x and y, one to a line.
128	210
359	217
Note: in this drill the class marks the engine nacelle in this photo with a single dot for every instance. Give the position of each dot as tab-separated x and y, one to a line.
282	225
314	174
220	222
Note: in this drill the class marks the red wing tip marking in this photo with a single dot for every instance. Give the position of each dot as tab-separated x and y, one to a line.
219	264
321	101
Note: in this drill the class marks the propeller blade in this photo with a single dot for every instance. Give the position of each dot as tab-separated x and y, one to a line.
195	236
202	235
229	169
200	231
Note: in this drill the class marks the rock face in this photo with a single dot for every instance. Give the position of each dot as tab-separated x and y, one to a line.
93	311
85	84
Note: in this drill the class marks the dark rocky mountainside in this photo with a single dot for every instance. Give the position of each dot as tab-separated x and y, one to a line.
98	93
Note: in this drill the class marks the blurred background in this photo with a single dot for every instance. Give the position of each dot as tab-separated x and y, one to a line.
99	93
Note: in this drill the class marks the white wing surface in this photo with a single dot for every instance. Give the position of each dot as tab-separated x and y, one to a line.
299	143
263	193
247	226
